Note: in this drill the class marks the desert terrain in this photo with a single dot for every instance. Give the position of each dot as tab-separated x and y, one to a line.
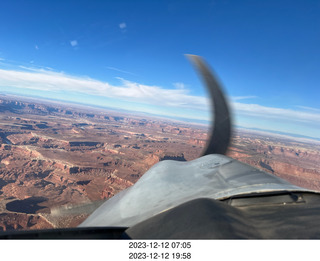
55	156
293	159
58	155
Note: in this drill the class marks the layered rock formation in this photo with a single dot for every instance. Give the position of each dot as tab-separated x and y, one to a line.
54	155
71	156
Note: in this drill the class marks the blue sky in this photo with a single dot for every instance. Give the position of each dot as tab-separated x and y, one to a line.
130	55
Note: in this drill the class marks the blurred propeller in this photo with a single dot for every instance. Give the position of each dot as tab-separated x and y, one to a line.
220	132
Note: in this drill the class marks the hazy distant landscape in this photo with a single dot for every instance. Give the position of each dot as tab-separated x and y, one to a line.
55	155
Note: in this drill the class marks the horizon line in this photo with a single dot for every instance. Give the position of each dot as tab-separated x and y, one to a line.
167	117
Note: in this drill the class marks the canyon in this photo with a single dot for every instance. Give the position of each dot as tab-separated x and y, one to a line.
57	160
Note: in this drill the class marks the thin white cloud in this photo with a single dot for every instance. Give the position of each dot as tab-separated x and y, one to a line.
42	79
309	108
179	98
160	96
2	59
36	69
237	98
179	85
119	70
122	25
74	43
257	110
